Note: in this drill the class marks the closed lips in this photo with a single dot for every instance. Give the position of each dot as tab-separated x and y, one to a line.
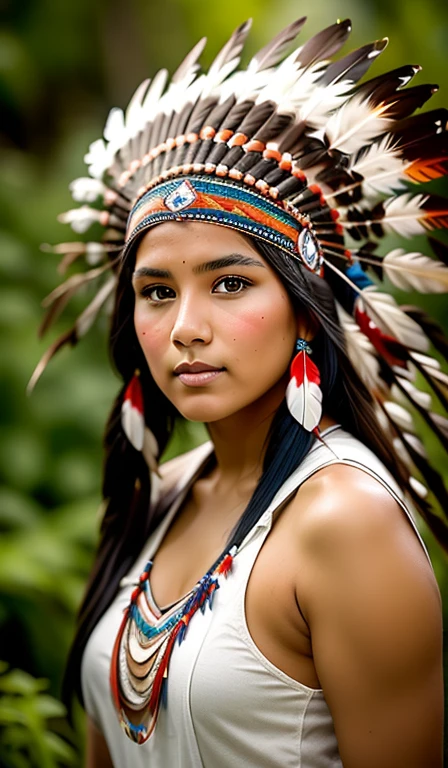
195	368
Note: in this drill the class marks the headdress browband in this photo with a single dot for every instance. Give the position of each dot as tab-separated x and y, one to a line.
226	204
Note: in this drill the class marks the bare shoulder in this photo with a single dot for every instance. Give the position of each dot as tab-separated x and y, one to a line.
341	507
371	601
350	533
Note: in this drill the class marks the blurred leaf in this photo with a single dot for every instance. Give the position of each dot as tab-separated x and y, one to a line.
22	457
48	707
10	713
17	510
21	683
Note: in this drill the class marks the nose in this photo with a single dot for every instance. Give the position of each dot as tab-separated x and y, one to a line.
191	325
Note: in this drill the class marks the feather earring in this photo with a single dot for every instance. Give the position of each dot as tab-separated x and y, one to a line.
303	394
133	423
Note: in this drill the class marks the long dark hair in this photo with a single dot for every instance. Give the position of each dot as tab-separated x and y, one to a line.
129	519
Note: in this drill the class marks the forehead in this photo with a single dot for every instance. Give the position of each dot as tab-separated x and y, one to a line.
191	240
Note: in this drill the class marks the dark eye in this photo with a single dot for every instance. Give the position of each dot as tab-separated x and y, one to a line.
158	293
231	285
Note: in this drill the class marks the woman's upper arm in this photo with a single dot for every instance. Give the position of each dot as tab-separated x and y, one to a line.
375	617
97	753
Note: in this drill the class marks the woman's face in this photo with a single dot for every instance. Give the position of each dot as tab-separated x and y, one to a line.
214	321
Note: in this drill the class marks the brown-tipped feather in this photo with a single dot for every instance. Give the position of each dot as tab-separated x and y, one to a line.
382	87
189	65
67	338
257	116
438	424
412	132
355	65
271	54
275	125
325	44
232	49
75	282
403	103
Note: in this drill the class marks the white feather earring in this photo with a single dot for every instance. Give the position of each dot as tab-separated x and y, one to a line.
133	423
303	394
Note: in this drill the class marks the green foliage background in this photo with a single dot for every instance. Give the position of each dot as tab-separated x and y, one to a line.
63	64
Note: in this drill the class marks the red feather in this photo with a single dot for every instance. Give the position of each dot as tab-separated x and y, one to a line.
226	566
302	366
134	393
388	347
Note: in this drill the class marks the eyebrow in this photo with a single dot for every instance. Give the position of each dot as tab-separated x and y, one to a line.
232	260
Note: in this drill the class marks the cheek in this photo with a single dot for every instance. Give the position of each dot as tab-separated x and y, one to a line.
150	335
270	321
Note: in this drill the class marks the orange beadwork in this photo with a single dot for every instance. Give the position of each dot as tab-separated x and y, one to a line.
238	140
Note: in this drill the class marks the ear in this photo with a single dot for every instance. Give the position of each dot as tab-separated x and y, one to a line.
307	325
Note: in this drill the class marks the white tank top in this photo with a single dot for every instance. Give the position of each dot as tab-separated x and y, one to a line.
227	705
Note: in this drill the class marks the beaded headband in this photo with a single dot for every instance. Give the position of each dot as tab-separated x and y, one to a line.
226	204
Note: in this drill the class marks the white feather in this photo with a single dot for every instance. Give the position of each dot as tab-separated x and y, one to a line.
402	452
153	95
304	403
150	450
95	253
97	159
402	213
89	315
322	102
86	190
423	399
134	117
244	85
420	489
416	444
360	350
382	169
415	272
81	218
426	361
133	425
382	418
222	66
354	125
399	416
281	84
384	311
115	129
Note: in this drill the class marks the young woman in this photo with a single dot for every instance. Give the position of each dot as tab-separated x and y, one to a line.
265	599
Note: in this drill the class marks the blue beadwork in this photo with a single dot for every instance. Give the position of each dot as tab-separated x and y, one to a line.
303	346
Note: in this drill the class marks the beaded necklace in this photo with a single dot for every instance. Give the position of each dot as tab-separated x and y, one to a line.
145	642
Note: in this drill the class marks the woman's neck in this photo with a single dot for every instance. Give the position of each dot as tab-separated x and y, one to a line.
240	443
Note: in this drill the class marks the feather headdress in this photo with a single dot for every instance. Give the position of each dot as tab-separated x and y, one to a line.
320	164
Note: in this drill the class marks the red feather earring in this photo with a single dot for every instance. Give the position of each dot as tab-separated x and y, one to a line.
303	394
133	422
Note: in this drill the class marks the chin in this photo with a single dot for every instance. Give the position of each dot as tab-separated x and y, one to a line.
204	413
